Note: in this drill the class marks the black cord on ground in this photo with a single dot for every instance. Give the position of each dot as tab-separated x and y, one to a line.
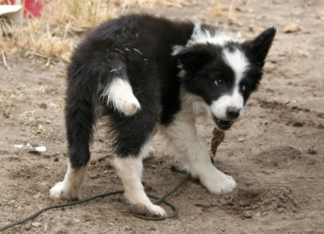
160	200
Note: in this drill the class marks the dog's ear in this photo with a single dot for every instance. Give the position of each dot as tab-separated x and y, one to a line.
194	57
257	49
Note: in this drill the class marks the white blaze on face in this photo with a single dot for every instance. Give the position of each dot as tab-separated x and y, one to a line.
239	64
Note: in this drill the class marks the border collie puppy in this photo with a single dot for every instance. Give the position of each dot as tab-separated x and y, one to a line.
143	74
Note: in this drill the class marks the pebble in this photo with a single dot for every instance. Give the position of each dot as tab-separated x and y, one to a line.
293	27
28	226
312	150
36	224
94	176
247	215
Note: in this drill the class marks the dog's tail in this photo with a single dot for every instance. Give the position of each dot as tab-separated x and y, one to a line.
120	94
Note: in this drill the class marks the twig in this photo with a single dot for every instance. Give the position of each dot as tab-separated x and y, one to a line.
4	60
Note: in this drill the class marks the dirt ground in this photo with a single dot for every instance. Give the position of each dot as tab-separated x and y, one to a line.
276	153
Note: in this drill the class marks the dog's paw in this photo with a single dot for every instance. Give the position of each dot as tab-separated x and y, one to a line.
217	182
61	192
153	210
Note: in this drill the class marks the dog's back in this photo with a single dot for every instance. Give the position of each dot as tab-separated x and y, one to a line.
127	59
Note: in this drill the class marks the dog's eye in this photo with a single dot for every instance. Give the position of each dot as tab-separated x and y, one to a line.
219	82
245	87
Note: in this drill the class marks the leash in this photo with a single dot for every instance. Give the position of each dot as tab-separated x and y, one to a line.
218	137
159	201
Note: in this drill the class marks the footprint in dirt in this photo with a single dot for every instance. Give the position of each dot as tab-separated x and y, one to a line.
282	157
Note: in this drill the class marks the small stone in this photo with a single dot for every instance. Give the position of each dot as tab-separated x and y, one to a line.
40	148
300	216
94	176
43	105
312	150
223	202
264	214
251	28
291	28
28	226
298	124
247	215
244	203
36	224
320	15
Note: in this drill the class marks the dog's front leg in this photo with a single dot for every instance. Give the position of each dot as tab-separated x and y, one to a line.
195	158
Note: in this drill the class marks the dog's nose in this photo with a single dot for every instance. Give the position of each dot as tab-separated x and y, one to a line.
232	112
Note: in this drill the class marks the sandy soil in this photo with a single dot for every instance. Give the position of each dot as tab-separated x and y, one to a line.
275	154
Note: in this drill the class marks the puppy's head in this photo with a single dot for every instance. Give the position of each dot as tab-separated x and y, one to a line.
224	74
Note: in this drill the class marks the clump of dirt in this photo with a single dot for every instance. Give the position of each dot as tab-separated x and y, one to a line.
259	201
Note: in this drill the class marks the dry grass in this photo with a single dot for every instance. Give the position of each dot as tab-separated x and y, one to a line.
219	9
52	35
227	8
55	33
154	3
4	96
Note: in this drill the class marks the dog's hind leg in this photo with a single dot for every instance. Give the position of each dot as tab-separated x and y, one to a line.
69	188
80	119
132	137
129	170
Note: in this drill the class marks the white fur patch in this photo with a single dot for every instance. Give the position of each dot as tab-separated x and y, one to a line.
69	188
217	37
204	36
120	93
190	151
130	172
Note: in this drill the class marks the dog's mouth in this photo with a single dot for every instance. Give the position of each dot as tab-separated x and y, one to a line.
222	124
